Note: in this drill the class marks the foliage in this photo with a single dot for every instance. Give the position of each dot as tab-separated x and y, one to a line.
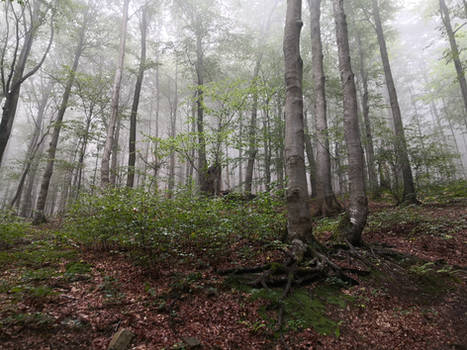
184	225
12	228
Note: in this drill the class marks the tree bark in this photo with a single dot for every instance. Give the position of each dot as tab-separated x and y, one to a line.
311	159
111	126
134	108
39	216
409	195
299	219
327	204
358	208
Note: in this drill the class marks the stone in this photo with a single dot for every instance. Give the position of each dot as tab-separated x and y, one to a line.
191	343
121	340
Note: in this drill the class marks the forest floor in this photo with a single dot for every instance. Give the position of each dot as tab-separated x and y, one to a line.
54	295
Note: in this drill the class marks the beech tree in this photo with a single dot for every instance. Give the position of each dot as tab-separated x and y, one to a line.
409	196
327	204
358	207
39	215
299	218
113	120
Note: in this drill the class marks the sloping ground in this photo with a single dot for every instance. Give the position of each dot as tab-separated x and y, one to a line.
55	296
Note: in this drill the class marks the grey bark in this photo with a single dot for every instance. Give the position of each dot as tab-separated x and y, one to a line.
109	140
298	213
327	204
358	207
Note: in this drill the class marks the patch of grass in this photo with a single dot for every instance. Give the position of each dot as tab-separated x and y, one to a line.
36	320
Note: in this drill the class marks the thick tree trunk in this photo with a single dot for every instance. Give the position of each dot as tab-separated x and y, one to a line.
370	152
109	140
358	207
455	53
39	216
409	195
327	204
299	220
134	109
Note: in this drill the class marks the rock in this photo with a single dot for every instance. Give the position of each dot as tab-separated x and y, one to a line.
191	343
212	292
121	340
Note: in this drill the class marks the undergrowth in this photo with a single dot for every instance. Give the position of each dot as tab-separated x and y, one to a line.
185	225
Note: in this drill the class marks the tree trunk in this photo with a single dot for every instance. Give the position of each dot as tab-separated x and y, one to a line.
370	152
327	204
134	108
252	147
358	207
39	216
202	161
298	214
454	51
109	140
311	159
409	195
173	132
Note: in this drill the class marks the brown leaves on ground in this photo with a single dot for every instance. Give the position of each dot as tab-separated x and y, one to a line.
173	300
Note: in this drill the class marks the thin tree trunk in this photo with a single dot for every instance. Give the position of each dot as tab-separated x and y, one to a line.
252	147
39	216
134	108
298	212
358	208
454	52
109	140
173	132
327	204
370	152
202	161
114	156
409	195
311	158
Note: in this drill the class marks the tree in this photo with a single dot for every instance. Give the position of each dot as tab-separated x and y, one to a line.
409	194
39	216
11	81
455	53
252	147
134	108
112	124
358	207
327	204
298	213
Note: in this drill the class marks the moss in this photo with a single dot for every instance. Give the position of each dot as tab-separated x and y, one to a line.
304	308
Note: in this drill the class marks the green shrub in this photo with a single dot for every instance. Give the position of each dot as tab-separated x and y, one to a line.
184	225
12	229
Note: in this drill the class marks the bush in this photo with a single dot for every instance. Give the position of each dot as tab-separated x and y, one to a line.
184	225
12	229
